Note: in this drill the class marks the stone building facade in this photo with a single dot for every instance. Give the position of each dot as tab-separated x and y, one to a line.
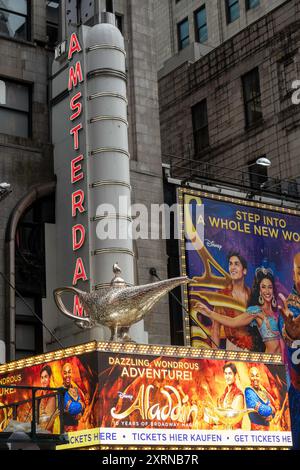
217	21
26	151
27	161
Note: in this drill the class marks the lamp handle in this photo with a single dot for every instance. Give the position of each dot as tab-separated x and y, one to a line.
61	306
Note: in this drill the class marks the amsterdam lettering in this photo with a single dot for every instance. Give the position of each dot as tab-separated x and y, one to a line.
75	77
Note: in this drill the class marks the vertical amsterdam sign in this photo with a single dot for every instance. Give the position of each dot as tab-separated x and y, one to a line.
70	165
75	77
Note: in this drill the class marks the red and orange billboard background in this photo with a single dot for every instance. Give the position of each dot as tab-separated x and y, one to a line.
169	396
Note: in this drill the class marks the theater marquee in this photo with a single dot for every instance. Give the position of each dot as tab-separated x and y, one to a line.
154	396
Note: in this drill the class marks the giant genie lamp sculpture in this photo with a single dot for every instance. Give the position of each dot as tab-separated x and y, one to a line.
118	306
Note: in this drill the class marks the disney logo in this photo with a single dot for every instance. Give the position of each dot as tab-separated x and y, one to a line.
212	244
123	395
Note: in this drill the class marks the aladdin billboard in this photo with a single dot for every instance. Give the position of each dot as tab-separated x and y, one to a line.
183	401
240	255
138	395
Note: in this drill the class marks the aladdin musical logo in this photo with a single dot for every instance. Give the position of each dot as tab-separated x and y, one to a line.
175	409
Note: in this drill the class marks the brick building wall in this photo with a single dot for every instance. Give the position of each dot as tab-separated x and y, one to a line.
170	12
272	45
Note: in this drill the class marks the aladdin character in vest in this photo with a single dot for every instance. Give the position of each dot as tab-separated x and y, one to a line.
232	397
237	338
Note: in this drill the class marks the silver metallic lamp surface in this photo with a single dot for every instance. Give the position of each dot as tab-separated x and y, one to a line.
119	306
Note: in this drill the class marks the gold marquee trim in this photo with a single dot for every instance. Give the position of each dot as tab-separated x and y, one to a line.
142	349
237	200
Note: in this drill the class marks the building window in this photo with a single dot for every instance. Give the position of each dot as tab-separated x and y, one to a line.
201	25
30	275
258	174
200	126
286	73
15	116
119	22
52	21
14	19
183	34
110	6
29	334
252	4
232	10
252	97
